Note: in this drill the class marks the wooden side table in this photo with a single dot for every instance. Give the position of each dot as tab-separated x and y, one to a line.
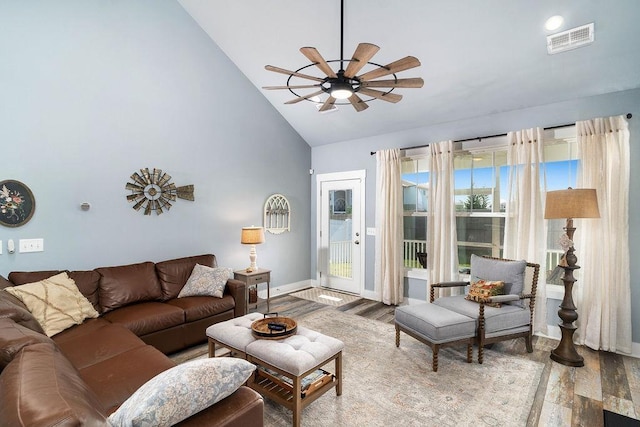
254	278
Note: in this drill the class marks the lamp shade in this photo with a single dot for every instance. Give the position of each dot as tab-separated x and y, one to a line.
572	203
252	235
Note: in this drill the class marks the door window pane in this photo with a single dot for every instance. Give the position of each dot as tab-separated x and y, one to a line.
340	231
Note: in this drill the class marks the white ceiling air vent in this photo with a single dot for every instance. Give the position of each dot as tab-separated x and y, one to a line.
570	39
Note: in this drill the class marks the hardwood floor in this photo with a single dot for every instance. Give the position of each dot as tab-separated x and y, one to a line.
566	396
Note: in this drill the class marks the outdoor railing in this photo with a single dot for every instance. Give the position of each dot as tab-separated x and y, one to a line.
340	259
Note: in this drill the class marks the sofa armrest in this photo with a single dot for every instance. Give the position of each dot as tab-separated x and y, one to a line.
432	293
4	283
238	290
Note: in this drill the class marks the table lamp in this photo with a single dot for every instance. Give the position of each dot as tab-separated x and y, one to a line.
252	236
569	204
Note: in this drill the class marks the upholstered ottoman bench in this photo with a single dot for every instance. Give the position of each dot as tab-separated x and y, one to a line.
435	326
290	369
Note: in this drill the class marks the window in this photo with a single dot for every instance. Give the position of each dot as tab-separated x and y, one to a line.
415	192
481	180
481	188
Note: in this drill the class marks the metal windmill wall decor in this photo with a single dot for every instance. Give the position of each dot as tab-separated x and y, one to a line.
154	191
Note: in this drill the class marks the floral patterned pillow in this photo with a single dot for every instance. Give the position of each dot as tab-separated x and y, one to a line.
206	281
483	289
182	391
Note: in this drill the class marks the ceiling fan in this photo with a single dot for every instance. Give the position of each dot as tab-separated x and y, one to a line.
345	84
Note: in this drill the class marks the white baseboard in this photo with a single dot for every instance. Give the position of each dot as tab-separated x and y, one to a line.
286	289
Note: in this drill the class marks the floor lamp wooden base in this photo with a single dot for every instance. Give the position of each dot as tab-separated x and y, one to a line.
566	352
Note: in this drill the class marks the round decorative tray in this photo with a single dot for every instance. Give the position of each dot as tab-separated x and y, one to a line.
274	328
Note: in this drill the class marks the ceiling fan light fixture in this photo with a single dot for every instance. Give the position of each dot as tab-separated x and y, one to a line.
341	90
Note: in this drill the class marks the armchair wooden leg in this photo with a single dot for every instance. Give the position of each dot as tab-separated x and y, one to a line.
434	365
397	336
527	340
480	353
469	352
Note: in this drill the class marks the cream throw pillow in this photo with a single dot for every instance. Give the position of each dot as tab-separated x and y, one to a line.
55	302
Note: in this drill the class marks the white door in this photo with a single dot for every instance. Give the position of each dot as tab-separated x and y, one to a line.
341	241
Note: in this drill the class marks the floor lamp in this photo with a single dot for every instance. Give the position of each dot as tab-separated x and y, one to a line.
569	204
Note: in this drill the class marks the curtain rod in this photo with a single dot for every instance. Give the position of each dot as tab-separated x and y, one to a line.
479	138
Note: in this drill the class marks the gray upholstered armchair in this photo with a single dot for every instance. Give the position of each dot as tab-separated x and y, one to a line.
499	317
481	316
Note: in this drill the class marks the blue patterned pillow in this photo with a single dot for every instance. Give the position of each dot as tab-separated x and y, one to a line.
206	281
182	391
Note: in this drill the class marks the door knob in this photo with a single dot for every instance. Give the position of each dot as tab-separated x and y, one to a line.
357	242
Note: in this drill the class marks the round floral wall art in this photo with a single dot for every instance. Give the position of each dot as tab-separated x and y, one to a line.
16	203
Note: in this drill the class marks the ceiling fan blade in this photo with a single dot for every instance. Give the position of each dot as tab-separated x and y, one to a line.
314	56
364	52
292	73
358	103
328	104
405	63
412	82
390	97
300	98
289	87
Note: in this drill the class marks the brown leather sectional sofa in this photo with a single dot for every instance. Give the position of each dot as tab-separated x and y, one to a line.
82	374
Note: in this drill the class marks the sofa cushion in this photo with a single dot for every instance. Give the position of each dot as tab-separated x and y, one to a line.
127	284
14	337
510	272
196	308
23	277
182	391
206	281
88	282
97	344
245	407
147	317
115	379
55	302
12	308
173	274
41	387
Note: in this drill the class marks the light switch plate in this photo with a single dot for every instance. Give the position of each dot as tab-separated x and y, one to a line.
31	245
371	231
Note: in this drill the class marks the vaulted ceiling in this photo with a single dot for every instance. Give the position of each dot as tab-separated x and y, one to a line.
478	57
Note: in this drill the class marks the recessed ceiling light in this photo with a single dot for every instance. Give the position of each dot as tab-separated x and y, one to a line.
554	22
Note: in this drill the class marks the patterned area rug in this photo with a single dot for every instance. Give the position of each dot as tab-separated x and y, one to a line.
388	386
325	296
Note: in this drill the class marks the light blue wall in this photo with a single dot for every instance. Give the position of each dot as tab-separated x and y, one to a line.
355	154
93	90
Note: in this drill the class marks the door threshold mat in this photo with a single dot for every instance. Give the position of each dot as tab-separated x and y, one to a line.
325	296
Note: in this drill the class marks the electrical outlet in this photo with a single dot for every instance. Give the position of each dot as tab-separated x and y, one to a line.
31	245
